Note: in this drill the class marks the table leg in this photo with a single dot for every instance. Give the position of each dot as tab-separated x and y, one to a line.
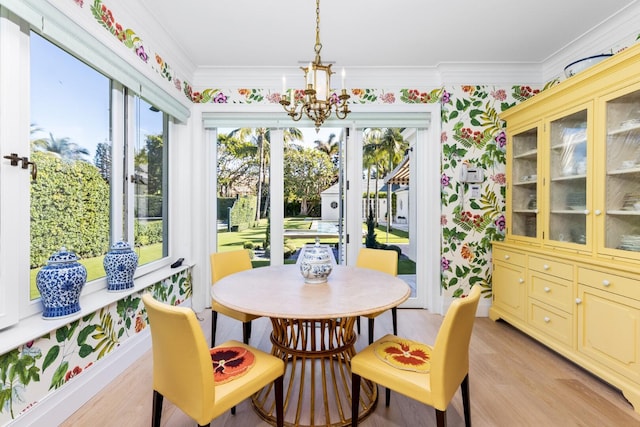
318	373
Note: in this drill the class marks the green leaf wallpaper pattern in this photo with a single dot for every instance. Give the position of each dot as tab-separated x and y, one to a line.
26	377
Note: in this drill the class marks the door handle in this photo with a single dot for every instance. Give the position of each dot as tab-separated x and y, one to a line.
15	159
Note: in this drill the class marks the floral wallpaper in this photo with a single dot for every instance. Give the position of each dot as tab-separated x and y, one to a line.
473	135
36	368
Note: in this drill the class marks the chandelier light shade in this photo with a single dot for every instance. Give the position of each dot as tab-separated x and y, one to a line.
317	100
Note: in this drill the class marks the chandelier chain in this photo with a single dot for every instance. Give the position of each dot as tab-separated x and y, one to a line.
318	45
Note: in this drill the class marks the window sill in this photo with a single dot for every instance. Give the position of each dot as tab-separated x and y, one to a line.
35	326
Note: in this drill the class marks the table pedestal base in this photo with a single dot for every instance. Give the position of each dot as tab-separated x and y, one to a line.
317	379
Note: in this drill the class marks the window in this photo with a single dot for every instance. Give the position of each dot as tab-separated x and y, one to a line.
70	144
101	156
150	183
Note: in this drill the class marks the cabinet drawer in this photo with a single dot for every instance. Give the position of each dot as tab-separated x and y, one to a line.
507	255
548	266
551	290
553	323
620	285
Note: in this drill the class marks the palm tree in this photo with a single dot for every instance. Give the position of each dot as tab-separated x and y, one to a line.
370	159
59	147
393	146
260	139
330	146
383	150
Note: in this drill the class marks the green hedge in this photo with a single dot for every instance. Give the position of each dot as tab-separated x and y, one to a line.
243	213
69	207
148	232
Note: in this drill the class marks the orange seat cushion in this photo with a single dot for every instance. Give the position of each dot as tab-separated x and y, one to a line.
404	354
230	363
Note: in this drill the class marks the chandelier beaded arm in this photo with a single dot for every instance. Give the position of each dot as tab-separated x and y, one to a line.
317	101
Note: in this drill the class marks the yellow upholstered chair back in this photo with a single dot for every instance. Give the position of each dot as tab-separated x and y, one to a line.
450	356
226	263
378	259
182	368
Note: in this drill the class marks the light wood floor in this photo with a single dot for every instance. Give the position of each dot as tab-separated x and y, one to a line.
514	382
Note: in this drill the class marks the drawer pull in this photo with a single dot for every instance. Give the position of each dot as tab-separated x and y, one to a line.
598	211
605	283
521	280
586	211
546	319
507	257
546	267
547	289
578	300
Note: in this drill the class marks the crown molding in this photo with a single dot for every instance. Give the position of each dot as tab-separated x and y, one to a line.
373	77
610	36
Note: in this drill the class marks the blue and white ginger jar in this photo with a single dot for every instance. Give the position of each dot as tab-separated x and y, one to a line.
120	264
60	283
315	265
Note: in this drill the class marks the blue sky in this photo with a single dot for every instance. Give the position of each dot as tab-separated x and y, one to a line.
71	100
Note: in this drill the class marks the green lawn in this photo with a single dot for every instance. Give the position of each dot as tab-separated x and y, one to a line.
228	241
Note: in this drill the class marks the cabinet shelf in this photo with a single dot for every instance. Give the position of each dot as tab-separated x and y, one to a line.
568	211
626	171
569	178
624	130
527	155
526	183
621	212
567	144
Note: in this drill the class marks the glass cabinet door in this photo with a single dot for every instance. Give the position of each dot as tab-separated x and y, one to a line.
622	179
568	179
524	186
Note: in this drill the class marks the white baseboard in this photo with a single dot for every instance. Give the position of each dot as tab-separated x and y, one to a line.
483	306
59	405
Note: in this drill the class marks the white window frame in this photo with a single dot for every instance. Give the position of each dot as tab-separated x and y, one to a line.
16	308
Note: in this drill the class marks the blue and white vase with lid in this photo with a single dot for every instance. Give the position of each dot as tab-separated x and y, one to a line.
60	283
120	264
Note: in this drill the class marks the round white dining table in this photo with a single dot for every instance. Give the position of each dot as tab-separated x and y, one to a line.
313	331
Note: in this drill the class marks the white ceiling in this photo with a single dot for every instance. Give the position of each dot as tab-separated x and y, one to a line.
376	33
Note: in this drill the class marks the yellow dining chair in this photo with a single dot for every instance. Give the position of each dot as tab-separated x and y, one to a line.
434	385
387	262
183	370
222	265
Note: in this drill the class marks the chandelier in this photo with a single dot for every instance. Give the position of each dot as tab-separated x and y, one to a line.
317	100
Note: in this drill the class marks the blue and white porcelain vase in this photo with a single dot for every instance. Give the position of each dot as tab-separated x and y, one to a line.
120	264
315	265
60	283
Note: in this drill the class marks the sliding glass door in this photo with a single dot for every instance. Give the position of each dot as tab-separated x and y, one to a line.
280	188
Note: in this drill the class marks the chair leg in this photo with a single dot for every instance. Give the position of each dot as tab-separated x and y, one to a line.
358	324
394	317
156	411
371	323
233	410
214	324
355	398
466	402
246	332
279	391
441	418
387	397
